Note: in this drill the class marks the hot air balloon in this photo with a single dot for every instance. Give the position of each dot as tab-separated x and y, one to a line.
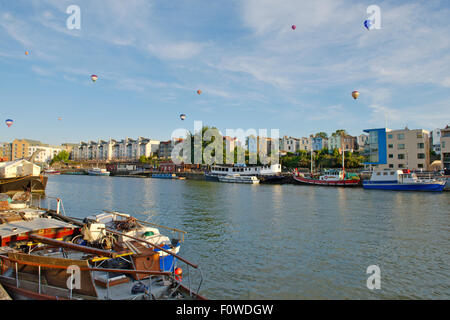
355	94
27	53
368	24
59	119
199	91
182	116
294	27
94	78
9	122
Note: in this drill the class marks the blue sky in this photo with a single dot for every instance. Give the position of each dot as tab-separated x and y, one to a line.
255	72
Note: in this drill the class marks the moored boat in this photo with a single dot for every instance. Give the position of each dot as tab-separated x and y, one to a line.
334	177
164	175
52	172
402	180
236	178
98	172
55	266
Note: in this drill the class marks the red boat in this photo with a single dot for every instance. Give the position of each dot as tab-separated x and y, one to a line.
335	178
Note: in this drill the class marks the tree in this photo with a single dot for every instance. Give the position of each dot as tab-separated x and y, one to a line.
61	156
322	135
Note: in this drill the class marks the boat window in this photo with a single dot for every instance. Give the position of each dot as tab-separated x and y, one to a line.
378	173
385	173
392	173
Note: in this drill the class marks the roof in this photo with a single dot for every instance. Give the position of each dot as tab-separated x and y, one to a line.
17	227
7	163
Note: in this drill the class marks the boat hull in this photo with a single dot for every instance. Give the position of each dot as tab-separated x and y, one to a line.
336	183
436	187
98	173
35	184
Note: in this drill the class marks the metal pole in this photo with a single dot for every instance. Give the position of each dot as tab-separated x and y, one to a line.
39	270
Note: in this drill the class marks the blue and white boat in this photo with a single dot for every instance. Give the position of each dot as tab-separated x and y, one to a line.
402	180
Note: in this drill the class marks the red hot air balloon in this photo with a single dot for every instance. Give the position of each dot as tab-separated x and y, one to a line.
199	91
294	27
94	78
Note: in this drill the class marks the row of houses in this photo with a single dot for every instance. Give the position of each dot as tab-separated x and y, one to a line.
383	147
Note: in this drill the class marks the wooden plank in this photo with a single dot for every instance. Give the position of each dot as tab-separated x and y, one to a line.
3	294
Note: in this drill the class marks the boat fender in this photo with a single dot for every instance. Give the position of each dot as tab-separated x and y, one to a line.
139	288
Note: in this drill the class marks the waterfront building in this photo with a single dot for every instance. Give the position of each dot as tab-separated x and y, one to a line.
20	148
435	140
445	147
46	153
305	144
166	147
318	143
289	144
399	149
362	142
125	149
5	151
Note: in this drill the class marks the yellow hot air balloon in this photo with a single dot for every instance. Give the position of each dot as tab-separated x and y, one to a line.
27	53
355	94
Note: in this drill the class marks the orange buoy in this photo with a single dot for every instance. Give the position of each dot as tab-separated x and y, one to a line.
178	274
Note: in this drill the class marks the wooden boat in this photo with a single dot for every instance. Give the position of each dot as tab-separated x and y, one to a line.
35	184
38	264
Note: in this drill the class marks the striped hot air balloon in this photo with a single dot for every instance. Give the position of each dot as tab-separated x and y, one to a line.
9	122
94	78
182	116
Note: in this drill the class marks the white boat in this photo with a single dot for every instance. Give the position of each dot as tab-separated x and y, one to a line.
98	172
403	180
236	178
266	172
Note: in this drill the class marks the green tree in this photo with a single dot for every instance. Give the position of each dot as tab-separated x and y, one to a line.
61	156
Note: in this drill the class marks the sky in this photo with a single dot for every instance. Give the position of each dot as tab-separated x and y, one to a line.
254	70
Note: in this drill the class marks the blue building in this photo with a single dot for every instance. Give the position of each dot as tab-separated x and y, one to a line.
317	143
377	151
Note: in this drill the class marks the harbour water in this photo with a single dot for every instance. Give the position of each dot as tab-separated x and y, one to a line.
287	241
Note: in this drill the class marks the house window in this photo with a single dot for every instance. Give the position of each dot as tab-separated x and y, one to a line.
419	135
400	136
421	156
401	156
400	165
391	165
391	156
401	146
391	146
390	136
420	145
420	165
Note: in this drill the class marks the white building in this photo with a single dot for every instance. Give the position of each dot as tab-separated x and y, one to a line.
46	153
126	149
18	168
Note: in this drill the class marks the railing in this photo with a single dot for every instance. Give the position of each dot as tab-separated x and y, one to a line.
36	201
